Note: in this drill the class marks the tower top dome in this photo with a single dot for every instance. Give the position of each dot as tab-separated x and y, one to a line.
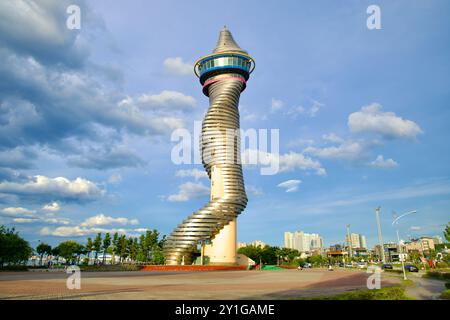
227	43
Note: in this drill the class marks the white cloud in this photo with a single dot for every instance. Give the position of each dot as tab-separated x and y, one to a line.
102	220
290	185
56	221
332	137
178	67
276	104
188	191
24	220
380	162
347	150
195	173
52	207
281	163
60	187
315	109
300	110
293	161
168	100
253	190
372	120
78	231
415	228
17	212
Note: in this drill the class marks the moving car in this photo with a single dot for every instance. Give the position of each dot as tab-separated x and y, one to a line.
411	268
387	266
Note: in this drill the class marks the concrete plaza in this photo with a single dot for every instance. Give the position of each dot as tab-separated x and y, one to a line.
276	284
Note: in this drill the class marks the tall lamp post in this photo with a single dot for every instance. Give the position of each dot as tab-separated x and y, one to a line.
380	237
402	257
349	242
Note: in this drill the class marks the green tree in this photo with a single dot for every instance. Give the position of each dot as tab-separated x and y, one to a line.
13	248
447	232
89	247
55	253
122	248
42	249
115	243
70	250
97	245
106	244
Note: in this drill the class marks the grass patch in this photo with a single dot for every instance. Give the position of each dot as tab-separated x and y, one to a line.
445	294
393	270
388	293
407	283
437	275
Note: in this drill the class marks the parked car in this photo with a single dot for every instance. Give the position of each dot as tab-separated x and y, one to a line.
411	268
341	264
387	266
362	265
348	265
307	265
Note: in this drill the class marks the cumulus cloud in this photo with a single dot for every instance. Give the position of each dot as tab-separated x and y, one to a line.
290	185
276	104
189	190
311	111
167	99
371	119
23	215
17	212
102	220
380	162
52	90
178	67
281	163
60	188
38	28
332	137
195	173
78	231
106	158
24	220
297	161
52	207
346	150
17	158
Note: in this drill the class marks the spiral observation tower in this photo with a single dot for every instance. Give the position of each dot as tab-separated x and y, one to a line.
223	75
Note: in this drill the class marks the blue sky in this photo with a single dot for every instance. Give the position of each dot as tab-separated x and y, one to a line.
86	115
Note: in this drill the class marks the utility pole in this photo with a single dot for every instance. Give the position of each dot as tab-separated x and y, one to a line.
380	237
349	242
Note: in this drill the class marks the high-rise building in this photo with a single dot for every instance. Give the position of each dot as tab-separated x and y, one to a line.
357	240
223	76
303	242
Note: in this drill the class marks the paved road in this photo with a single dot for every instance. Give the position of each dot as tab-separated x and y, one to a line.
276	284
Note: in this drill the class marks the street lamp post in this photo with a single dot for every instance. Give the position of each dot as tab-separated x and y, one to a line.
401	256
380	237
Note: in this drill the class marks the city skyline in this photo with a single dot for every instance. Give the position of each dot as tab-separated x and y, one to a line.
86	117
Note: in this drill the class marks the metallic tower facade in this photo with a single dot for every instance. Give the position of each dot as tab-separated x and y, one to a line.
223	75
